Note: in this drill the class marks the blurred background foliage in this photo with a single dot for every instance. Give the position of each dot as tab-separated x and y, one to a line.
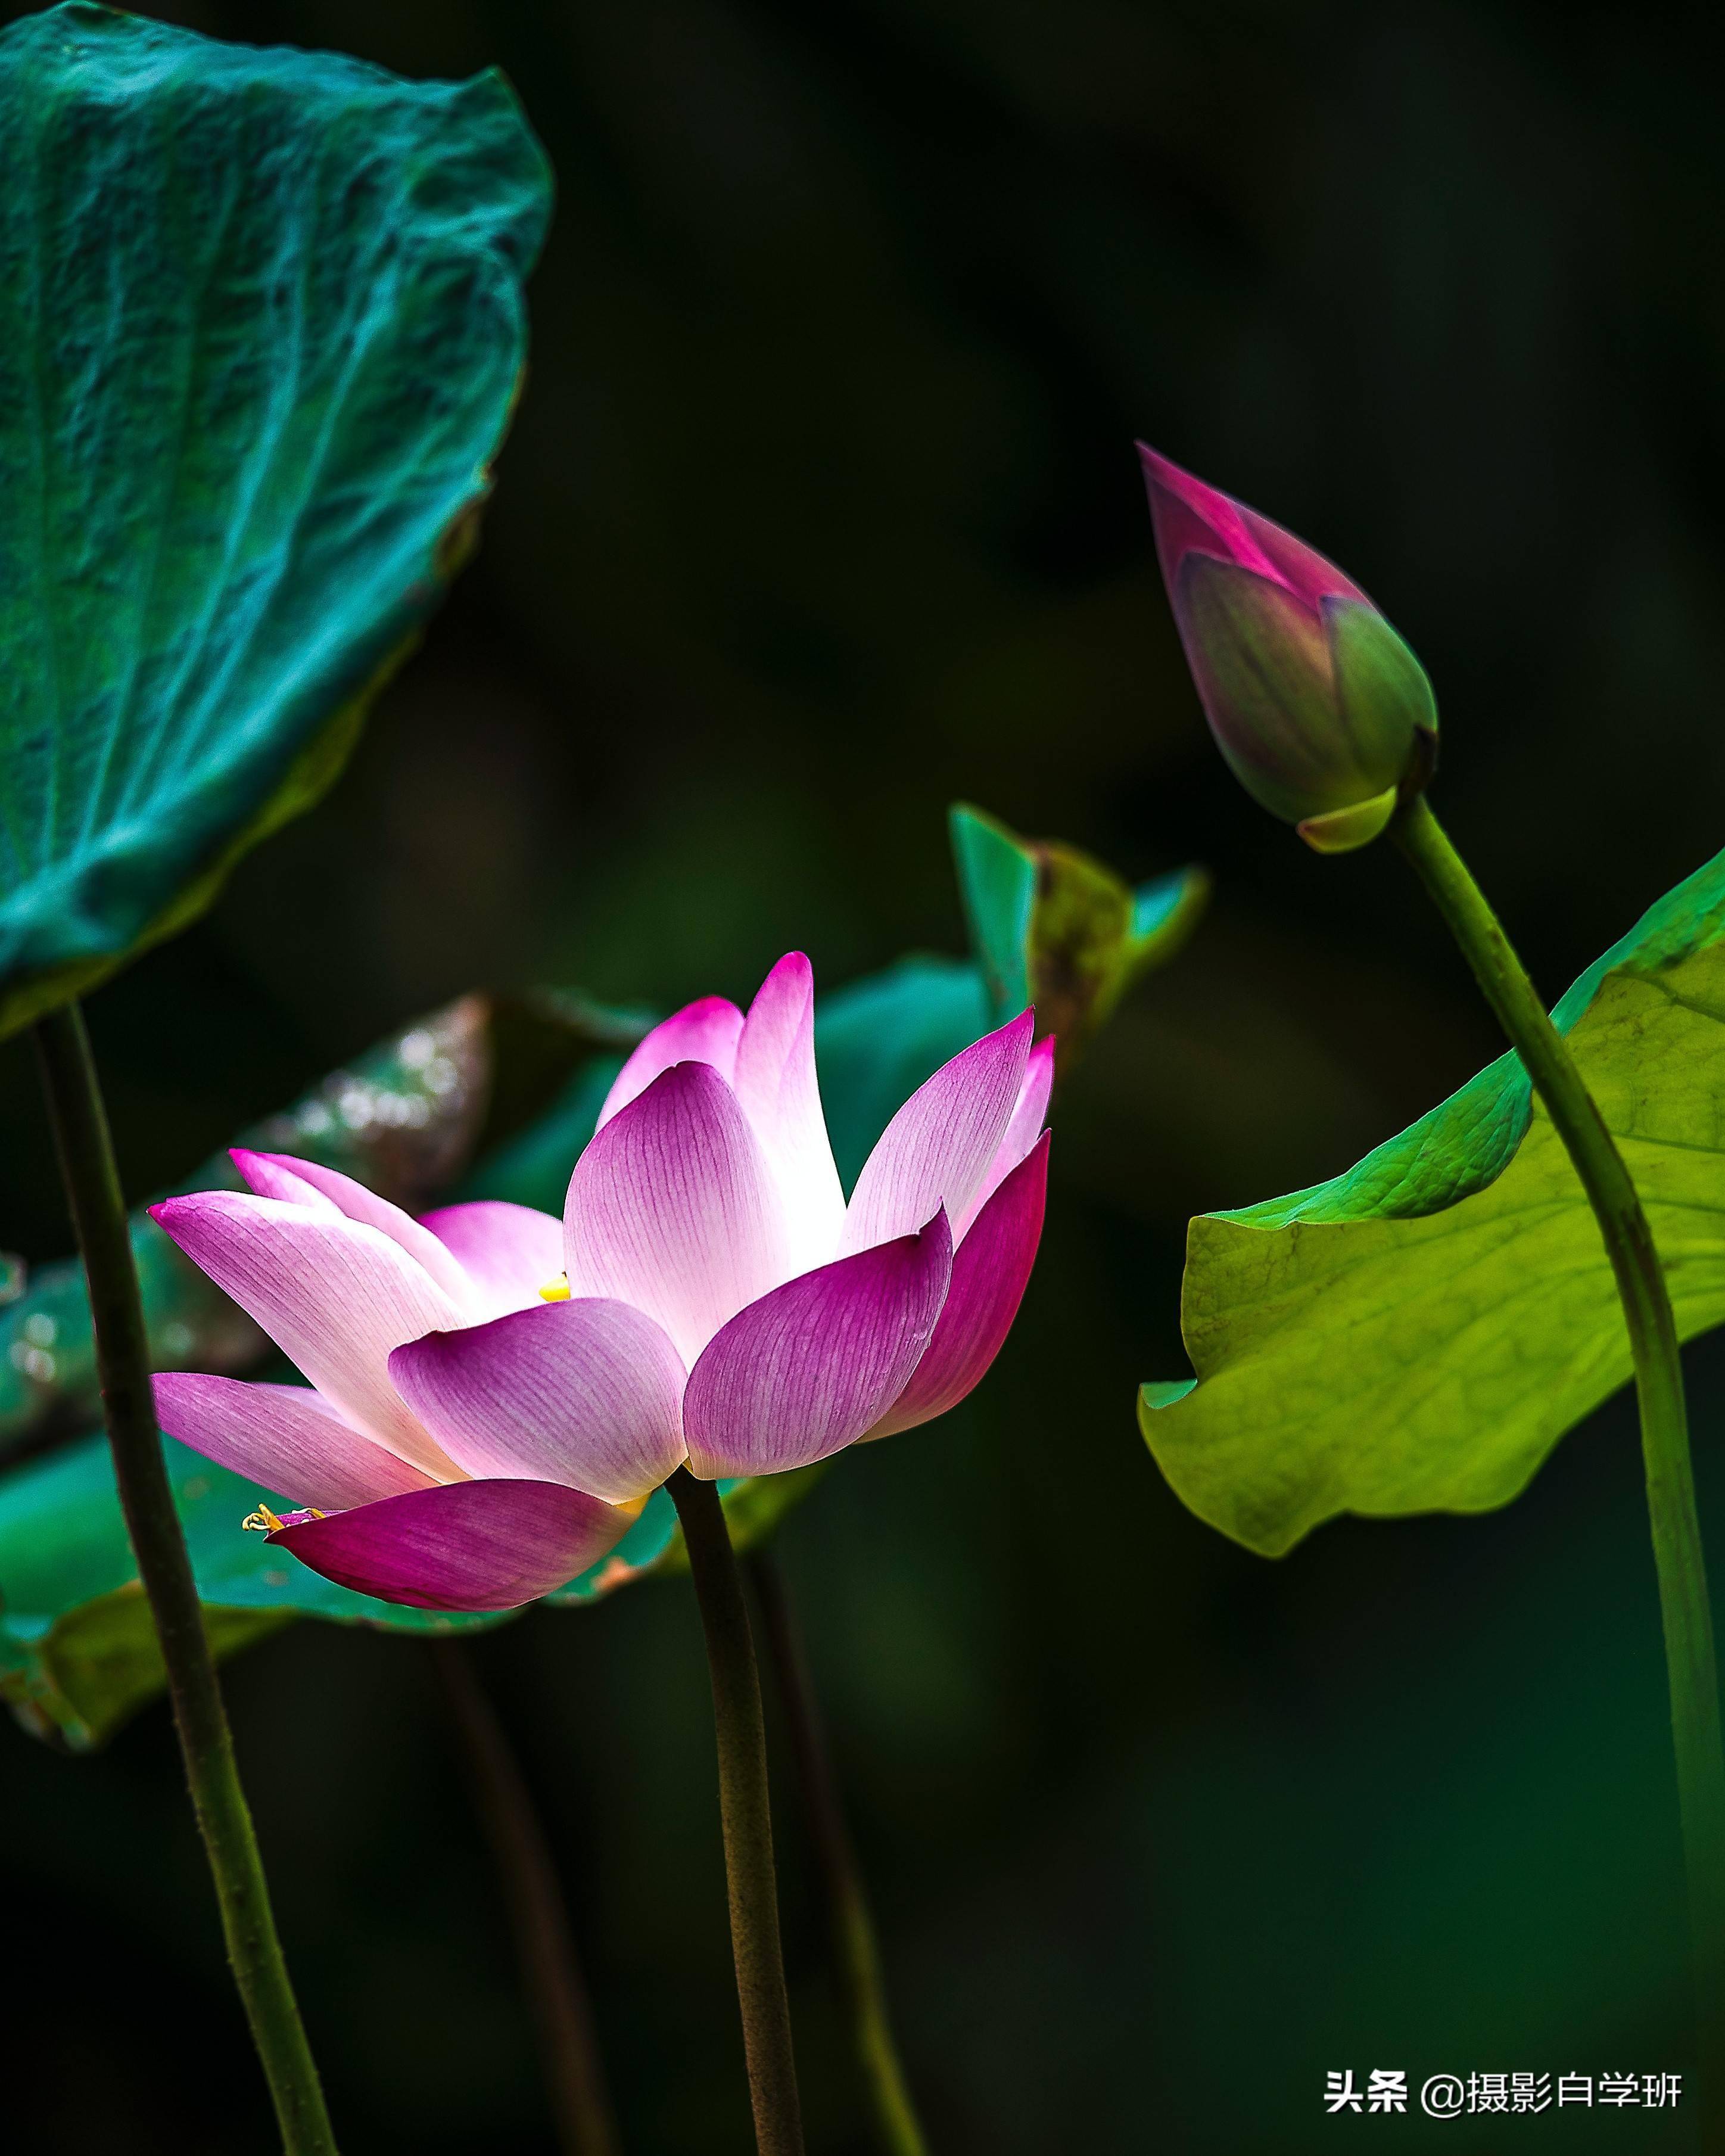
819	510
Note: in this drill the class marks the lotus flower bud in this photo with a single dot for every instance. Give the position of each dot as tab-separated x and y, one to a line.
1321	710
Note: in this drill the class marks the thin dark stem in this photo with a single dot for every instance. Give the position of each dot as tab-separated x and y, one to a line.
746	1815
92	1181
544	1945
856	1954
1685	1608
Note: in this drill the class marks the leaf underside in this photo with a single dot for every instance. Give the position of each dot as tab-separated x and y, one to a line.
263	324
1418	1333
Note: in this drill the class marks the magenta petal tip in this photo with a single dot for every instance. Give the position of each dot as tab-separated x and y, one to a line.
466	1546
991	1269
807	1368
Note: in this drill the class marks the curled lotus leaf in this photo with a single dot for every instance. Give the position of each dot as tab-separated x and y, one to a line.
1053	926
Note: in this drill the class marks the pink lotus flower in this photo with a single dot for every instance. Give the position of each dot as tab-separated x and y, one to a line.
493	1393
1316	702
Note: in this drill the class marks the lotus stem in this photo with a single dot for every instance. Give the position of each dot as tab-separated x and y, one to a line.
1684	1610
850	1925
746	1815
85	1149
538	1915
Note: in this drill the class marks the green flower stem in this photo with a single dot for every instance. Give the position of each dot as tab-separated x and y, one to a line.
92	1182
746	1816
856	1954
1684	1605
545	1947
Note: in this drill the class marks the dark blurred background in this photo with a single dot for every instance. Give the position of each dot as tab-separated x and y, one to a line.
819	510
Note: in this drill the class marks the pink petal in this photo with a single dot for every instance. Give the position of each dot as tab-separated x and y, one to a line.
589	1393
1191	517
508	1252
1022	1131
703	1031
334	1295
273	1175
287	1437
489	1545
672	1208
939	1146
991	1268
1309	575
809	1368
775	1081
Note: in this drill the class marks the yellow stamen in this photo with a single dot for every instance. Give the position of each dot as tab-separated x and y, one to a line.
556	1290
263	1522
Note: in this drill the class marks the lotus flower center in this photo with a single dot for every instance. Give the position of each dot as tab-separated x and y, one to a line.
556	1290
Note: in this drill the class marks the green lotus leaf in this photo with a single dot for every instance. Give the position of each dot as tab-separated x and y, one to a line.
1418	1333
261	322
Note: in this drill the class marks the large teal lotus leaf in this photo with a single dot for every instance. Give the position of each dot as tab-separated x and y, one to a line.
1416	1334
261	322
